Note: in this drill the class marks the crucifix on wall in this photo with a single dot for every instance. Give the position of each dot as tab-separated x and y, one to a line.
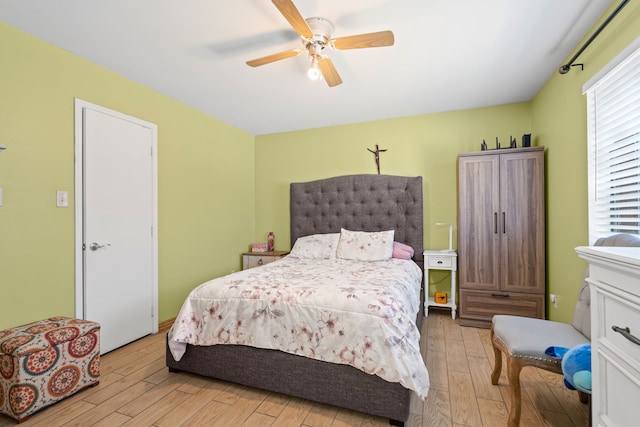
377	154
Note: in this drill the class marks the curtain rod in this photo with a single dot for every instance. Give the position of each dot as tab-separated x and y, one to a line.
566	67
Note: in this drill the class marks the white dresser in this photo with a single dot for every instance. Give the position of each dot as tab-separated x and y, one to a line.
614	278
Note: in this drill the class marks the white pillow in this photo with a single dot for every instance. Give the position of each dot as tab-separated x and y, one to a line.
365	246
316	246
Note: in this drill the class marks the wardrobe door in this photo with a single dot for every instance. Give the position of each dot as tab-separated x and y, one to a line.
478	237
522	222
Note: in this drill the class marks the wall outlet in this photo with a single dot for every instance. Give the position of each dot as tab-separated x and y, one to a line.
554	300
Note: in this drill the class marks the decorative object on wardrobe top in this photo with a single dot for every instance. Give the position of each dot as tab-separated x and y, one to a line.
567	67
2	147
526	142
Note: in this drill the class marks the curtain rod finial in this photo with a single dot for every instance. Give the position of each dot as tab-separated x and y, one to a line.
564	69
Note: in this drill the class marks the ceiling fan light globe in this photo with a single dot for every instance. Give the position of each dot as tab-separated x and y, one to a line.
314	73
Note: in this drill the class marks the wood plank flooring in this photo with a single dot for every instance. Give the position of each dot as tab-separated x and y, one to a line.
136	389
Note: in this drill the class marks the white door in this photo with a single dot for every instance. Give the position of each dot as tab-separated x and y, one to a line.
119	252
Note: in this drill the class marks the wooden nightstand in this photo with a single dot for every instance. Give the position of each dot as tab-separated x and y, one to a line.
256	259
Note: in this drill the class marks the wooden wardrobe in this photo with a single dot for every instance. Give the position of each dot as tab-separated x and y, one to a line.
501	234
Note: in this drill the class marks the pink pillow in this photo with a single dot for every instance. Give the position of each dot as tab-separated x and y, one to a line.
402	251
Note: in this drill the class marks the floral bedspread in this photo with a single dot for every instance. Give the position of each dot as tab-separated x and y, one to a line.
339	311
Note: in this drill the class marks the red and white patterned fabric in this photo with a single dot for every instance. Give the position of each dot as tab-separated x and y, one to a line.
46	361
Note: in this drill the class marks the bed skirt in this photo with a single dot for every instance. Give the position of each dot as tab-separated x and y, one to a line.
298	376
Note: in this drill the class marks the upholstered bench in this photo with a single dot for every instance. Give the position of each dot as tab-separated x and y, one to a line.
46	361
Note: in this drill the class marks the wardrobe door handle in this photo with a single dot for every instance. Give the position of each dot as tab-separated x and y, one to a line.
504	225
626	332
495	222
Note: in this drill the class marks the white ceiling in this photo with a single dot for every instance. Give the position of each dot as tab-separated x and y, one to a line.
448	54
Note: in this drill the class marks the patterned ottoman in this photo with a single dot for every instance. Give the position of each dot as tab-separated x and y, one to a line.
44	362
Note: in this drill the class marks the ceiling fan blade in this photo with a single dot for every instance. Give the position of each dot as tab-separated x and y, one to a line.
291	13
329	72
275	57
379	39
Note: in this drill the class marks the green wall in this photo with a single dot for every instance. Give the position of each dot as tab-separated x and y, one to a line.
426	145
559	123
205	179
221	188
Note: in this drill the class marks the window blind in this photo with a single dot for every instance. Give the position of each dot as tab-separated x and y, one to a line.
613	118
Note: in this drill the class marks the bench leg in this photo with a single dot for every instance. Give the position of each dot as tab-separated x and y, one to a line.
497	366
584	397
513	372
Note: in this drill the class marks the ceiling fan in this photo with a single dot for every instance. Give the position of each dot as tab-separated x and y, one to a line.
316	36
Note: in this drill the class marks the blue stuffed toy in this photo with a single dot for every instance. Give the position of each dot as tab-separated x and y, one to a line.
576	365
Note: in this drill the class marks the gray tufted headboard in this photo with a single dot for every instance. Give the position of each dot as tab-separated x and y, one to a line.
360	203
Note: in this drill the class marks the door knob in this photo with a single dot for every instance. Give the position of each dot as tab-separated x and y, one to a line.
95	246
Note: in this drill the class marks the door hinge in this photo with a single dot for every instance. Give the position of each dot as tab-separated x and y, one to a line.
151	150
84	247
152	231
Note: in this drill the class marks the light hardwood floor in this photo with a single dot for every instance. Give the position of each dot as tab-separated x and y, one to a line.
136	389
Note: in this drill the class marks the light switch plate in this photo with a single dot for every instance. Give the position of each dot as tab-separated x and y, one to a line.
62	199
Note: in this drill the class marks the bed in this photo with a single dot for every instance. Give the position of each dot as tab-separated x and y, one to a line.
367	203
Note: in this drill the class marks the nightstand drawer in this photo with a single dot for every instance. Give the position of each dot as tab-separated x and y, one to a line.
256	259
437	261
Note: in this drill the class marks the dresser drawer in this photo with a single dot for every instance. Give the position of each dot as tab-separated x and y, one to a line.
481	306
620	313
618	388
